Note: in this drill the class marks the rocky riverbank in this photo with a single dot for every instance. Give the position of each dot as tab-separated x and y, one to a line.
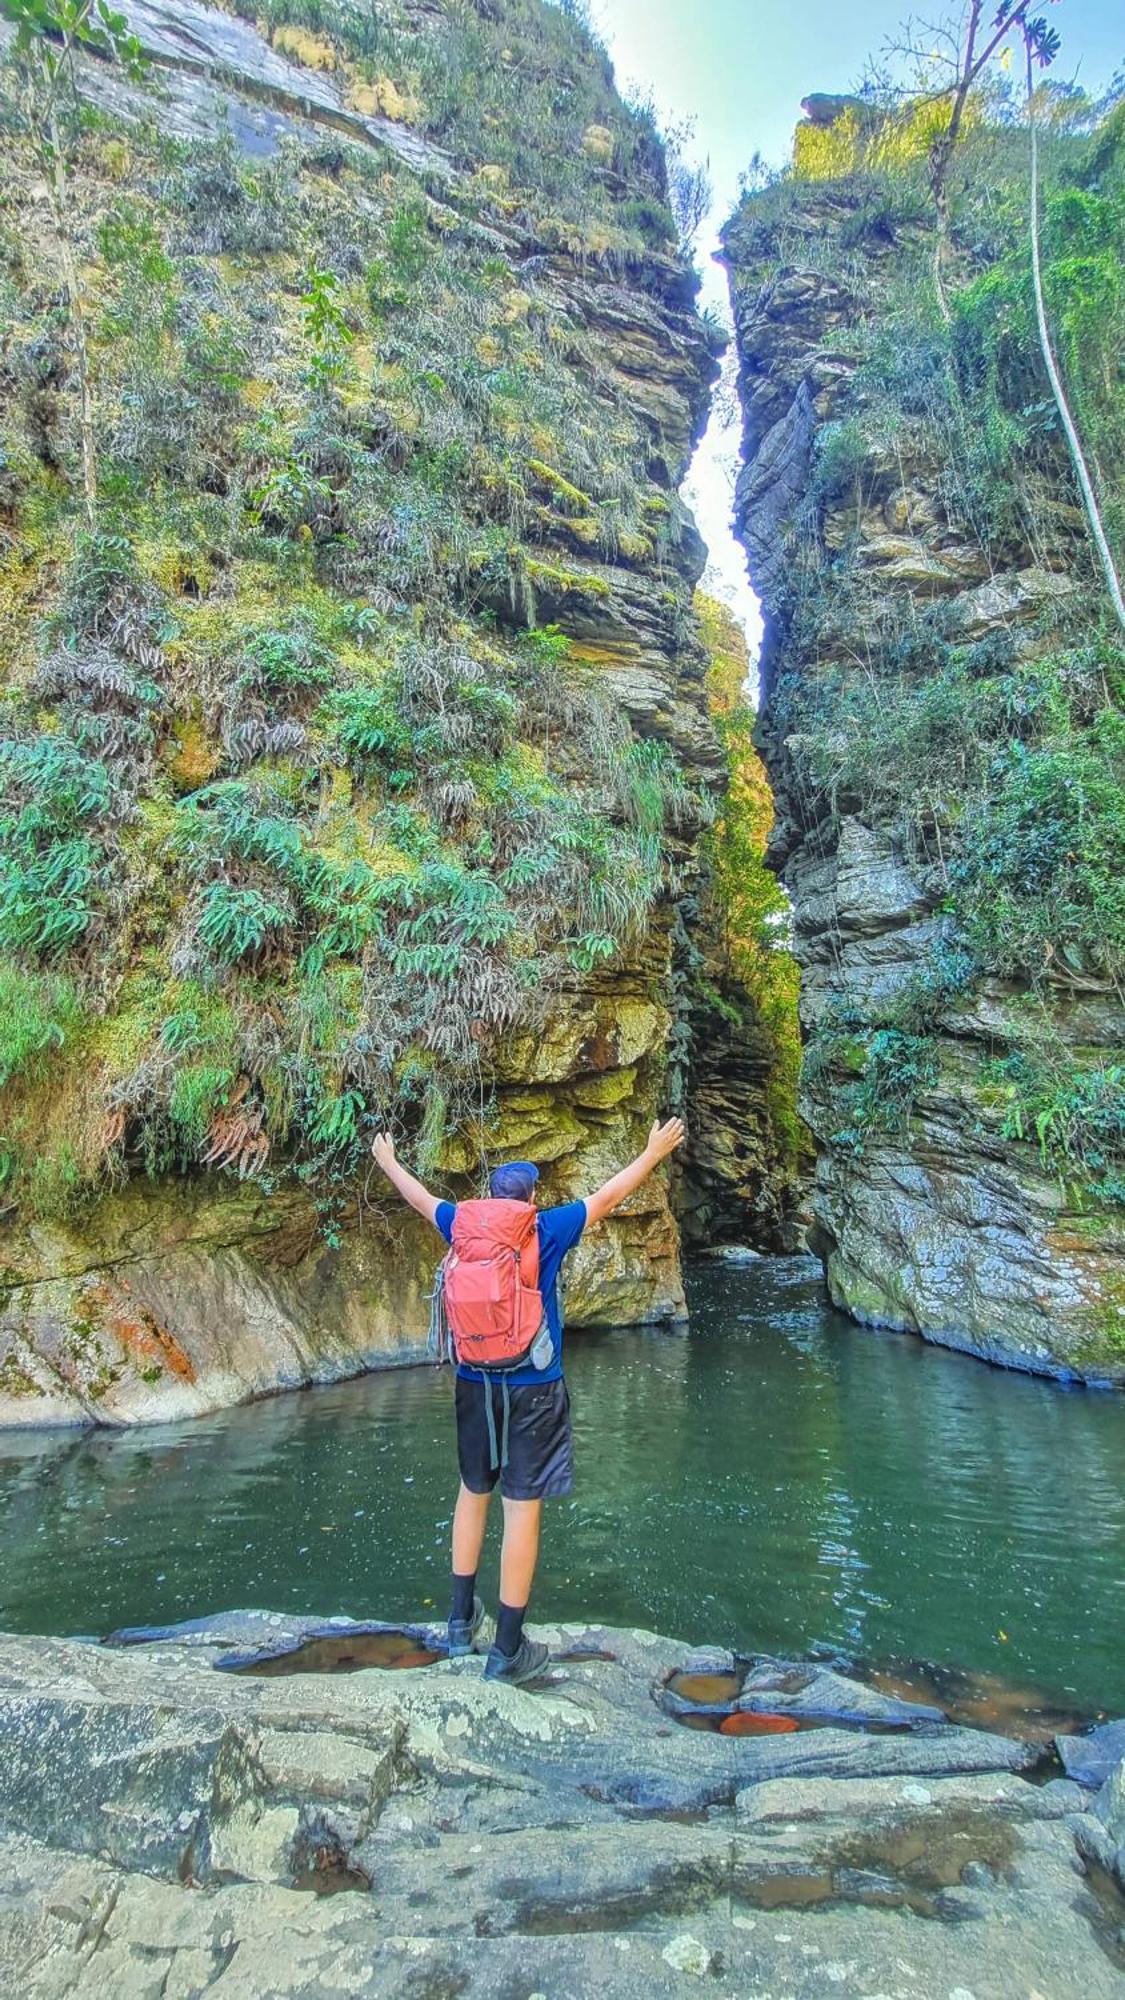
171	1825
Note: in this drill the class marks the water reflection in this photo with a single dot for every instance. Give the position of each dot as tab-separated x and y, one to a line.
778	1480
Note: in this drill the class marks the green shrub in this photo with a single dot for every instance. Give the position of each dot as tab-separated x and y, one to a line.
105	599
235	923
898	1067
53	800
653	792
226	821
365	722
198	1091
229	206
1074	1115
1040	875
279	664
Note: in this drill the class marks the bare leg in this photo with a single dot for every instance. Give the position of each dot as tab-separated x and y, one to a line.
520	1551
470	1519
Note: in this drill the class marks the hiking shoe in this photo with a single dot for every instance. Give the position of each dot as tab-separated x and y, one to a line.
461	1632
524	1664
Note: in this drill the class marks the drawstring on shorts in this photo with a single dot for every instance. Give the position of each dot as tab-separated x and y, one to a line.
497	1457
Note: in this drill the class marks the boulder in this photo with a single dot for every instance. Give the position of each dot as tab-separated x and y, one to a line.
1092	1758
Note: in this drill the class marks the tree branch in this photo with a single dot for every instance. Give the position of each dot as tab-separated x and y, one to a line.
1085	483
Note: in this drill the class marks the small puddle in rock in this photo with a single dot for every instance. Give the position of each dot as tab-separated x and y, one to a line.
970	1700
746	1722
904	1868
709	1690
345	1653
714	1696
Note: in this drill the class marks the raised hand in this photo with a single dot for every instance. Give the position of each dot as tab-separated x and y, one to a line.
663	1139
383	1148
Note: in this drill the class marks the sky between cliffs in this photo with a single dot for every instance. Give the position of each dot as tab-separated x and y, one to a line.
740	70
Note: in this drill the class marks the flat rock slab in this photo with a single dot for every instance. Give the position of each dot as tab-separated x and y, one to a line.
1090	1759
821	1801
819	1693
163	1826
846	1753
77	1929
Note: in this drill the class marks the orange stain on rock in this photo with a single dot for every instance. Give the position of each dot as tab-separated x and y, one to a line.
744	1723
139	1334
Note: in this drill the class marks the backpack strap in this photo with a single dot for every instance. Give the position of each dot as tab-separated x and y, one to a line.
439	1342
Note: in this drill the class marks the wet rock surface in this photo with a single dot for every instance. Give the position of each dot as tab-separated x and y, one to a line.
1093	1758
168	1828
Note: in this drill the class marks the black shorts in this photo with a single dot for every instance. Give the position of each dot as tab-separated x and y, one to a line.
540	1461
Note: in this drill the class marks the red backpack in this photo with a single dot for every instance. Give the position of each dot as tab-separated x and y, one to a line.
491	1283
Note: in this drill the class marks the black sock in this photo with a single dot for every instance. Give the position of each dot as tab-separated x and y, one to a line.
461	1601
509	1628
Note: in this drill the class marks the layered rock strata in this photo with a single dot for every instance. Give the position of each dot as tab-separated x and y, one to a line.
178	1297
945	1221
173	1294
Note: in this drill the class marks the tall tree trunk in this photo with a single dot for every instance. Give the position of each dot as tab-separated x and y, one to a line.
941	246
60	199
941	156
1085	483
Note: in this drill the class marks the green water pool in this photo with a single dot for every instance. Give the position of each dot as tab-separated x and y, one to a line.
776	1479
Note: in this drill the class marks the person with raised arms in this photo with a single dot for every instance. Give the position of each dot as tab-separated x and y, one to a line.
498	1314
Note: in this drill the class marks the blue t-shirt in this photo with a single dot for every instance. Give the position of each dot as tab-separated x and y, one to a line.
559	1230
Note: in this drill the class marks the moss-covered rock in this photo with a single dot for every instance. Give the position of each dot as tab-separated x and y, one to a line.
355	761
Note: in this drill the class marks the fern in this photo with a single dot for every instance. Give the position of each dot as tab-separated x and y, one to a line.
223	820
336	1123
367	727
234	923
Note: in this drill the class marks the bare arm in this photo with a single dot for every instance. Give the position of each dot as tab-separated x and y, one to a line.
662	1140
404	1183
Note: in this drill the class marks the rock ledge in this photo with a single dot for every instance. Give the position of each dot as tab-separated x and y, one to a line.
165	1828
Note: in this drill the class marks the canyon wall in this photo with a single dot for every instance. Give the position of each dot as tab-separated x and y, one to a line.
358	752
941	696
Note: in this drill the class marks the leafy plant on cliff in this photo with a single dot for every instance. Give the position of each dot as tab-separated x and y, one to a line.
751	908
994	764
1074	1113
297	798
49	35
